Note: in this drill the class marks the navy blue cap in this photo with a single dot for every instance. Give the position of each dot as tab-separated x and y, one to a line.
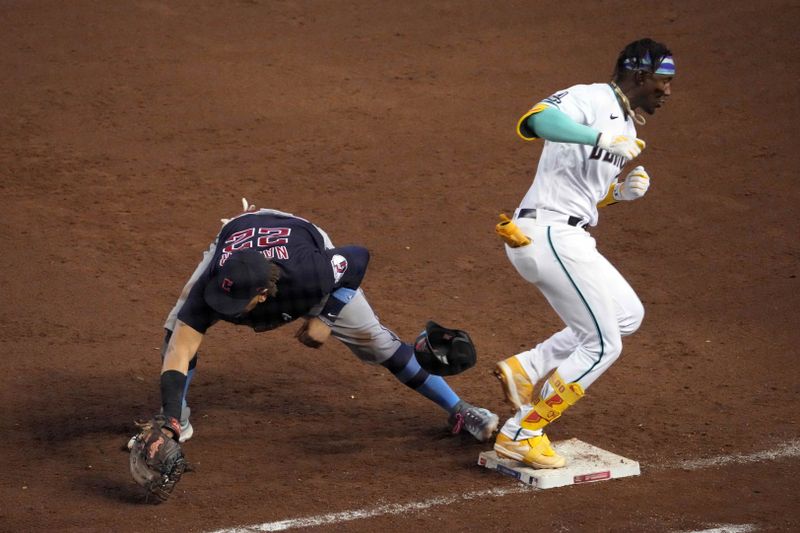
244	274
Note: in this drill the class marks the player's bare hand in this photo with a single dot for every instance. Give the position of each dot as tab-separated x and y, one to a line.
313	333
634	186
621	145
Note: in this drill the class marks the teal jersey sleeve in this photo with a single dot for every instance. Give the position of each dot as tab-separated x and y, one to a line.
554	125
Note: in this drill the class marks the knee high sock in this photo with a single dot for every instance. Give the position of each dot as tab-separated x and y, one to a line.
189	374
406	369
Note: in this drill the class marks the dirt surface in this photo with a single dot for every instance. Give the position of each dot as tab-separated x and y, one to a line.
130	128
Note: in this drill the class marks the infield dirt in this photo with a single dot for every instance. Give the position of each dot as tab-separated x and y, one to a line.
130	128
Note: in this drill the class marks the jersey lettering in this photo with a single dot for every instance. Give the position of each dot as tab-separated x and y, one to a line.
273	236
267	238
239	240
616	160
556	98
276	252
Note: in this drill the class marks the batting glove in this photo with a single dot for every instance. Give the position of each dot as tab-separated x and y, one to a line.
621	145
246	208
635	185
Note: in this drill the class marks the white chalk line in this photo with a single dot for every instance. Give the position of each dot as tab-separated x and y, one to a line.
389	509
726	528
783	451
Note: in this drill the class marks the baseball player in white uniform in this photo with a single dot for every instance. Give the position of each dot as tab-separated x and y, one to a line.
590	135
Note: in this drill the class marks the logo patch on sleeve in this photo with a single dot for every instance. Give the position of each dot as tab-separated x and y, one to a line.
339	265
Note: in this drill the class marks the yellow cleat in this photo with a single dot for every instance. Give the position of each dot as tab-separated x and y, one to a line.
535	451
517	385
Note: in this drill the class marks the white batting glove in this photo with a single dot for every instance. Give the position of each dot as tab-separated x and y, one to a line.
635	185
621	145
246	208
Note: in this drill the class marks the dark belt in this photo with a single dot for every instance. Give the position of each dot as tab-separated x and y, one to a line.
531	213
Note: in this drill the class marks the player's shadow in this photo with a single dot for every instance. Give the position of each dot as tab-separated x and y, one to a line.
356	415
320	417
113	489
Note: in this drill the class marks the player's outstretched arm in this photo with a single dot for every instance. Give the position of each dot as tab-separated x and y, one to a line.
182	346
156	460
554	125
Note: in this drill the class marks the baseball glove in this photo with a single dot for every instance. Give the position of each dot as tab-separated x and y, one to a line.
156	458
444	351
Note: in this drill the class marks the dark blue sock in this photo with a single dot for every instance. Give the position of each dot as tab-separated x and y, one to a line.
406	369
189	374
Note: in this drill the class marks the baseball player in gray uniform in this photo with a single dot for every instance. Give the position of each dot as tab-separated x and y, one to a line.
589	134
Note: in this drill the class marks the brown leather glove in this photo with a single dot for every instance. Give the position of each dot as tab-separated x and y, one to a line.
156	459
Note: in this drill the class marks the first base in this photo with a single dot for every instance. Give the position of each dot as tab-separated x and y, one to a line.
585	463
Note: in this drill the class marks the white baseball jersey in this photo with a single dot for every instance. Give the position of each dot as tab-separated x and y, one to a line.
572	178
596	303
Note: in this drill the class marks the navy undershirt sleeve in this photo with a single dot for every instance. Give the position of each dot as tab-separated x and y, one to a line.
349	265
195	312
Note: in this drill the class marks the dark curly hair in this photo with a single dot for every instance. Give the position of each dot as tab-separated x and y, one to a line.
637	51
